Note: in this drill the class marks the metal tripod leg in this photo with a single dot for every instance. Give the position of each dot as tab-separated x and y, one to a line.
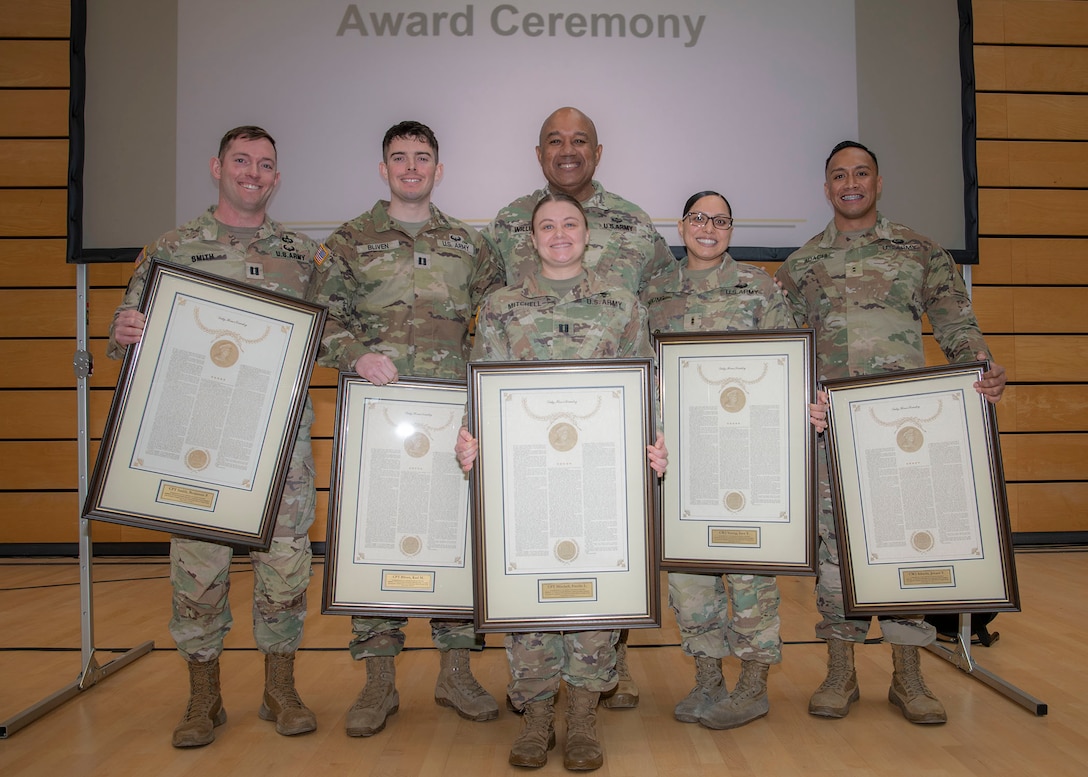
959	654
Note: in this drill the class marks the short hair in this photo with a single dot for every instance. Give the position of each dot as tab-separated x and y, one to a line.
557	197
245	132
698	196
850	144
413	130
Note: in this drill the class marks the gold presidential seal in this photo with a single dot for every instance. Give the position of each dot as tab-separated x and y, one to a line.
563	436
909	439
733	501
417	445
921	541
566	550
410	545
733	399
223	353
197	459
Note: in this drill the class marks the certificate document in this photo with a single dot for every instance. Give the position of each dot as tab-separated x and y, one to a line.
412	506
212	391
914	465
733	436
564	483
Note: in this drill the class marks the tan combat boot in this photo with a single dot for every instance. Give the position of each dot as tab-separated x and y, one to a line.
908	691
205	710
378	699
625	694
582	750
835	695
747	702
709	689
457	688
281	701
537	735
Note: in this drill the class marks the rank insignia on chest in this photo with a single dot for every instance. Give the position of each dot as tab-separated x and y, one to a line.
564	329
421	260
254	271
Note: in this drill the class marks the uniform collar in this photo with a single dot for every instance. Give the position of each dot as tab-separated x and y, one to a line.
881	230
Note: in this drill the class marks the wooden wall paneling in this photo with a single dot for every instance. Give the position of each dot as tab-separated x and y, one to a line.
26	262
1046	261
1030	69
33	212
1044	408
1032	164
1048	507
324	399
39	466
34	113
1049	22
1033	212
34	64
1032	116
110	274
39	517
1053	309
39	19
38	415
993	307
32	313
1049	358
28	163
1057	456
47	364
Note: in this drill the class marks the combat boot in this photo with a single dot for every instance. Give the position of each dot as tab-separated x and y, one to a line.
537	735
709	689
205	710
908	691
457	688
281	701
625	694
582	750
840	689
747	702
378	699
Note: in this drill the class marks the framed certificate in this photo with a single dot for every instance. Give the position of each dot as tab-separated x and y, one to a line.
563	495
398	542
206	411
739	496
919	494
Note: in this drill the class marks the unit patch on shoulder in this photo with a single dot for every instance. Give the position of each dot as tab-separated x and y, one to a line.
140	257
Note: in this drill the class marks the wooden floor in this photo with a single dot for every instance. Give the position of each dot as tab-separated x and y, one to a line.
121	726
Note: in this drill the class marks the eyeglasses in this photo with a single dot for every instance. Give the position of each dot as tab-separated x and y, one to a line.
697	219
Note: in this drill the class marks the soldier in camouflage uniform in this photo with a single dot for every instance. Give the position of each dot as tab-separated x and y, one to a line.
624	249
235	239
710	292
563	311
402	284
864	285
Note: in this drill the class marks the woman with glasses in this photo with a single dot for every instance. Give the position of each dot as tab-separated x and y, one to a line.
561	311
708	291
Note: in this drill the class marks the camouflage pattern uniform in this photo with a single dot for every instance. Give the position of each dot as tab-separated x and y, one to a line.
594	320
412	299
624	250
280	260
730	297
865	296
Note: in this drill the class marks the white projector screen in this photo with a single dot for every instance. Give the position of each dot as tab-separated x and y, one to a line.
743	96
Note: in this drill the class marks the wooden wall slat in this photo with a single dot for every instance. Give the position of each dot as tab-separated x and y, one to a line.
33	212
35	263
993	306
1033	212
30	113
1046	261
1031	69
1048	507
1032	116
47	364
39	466
30	163
34	313
1031	21
1045	408
1050	359
1045	456
1037	165
38	19
34	63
